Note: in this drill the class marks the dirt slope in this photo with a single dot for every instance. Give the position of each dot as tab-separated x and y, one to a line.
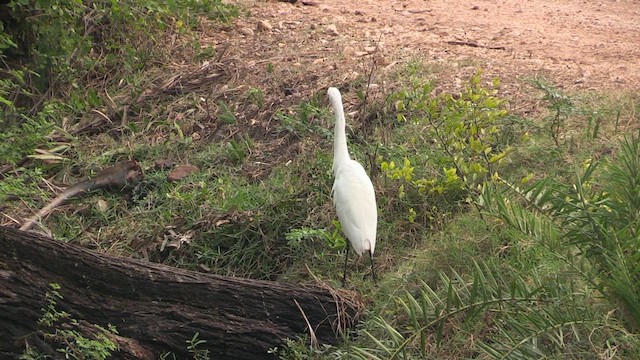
575	43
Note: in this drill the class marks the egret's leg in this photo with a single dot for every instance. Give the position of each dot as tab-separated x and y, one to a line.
373	271
346	257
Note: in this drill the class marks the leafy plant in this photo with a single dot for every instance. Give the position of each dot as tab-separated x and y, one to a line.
465	138
333	239
597	217
256	96
488	299
226	113
561	107
465	128
239	150
58	327
303	121
193	348
55	50
591	225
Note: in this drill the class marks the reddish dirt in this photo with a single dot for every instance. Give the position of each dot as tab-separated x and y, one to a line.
577	44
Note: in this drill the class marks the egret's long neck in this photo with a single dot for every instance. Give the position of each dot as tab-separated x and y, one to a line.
340	151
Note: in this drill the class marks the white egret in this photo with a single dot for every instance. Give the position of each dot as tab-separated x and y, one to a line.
353	194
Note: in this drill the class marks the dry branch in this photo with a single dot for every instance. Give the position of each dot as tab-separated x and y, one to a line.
475	44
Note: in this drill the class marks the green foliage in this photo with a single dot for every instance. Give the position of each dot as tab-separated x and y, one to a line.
230	226
466	129
58	48
51	314
528	317
304	121
59	36
31	132
58	327
256	96
561	107
332	239
226	114
237	151
456	143
192	347
592	219
299	350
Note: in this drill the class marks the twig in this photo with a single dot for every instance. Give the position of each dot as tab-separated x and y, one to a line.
475	44
341	297
312	333
363	110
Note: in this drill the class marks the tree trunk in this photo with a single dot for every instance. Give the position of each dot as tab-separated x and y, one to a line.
155	308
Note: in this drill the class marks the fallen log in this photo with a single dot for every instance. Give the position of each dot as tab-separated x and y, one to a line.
155	308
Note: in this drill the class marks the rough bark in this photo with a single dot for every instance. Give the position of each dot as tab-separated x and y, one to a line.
155	308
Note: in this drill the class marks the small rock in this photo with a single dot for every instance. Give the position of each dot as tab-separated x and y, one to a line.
370	49
182	171
264	25
163	164
246	31
102	206
332	30
348	51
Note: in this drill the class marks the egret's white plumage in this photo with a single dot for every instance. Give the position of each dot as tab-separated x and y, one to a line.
353	194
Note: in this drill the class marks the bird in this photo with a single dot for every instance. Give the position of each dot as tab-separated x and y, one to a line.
353	194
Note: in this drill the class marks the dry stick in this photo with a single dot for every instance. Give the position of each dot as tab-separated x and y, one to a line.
312	333
369	77
372	157
340	297
118	176
474	44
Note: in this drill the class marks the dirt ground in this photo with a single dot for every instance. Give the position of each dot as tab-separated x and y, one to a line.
576	44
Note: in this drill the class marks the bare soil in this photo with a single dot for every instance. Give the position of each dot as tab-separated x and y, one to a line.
576	44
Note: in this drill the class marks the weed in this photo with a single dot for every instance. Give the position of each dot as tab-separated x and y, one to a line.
256	96
332	239
58	327
192	347
226	114
303	122
560	105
